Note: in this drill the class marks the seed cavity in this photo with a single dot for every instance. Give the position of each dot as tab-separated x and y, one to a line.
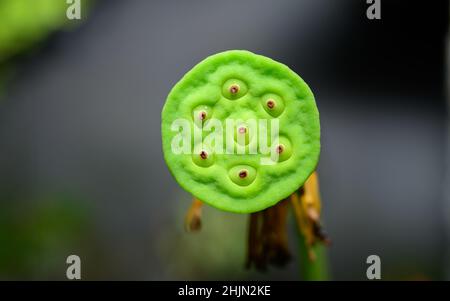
243	134
233	89
242	175
203	158
280	148
273	104
201	113
283	149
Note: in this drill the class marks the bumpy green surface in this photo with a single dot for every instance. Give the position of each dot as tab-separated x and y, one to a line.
266	89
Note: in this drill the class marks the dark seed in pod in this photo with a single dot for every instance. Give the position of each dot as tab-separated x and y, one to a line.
203	155
280	149
234	89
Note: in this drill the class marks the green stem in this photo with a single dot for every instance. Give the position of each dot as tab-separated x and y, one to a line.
316	270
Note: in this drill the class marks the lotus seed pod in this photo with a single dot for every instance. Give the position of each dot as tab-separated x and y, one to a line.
241	131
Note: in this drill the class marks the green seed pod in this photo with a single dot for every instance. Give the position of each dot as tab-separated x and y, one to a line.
251	125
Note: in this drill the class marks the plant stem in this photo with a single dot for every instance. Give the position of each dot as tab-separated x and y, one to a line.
313	270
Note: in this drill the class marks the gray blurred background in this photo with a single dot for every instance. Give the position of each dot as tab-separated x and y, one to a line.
81	166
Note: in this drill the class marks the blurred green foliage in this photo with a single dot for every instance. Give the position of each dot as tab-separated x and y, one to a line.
217	251
25	22
33	241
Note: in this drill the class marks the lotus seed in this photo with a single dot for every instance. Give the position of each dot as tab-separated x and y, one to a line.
280	149
234	89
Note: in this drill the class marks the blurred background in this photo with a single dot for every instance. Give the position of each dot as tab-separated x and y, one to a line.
81	165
